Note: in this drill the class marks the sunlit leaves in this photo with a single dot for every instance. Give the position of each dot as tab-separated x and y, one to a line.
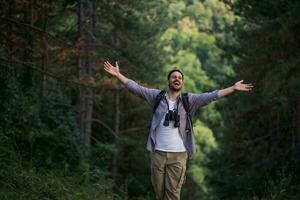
206	145
191	44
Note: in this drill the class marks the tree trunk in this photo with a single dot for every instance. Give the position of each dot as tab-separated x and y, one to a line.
27	75
45	57
297	138
10	42
85	67
117	132
80	65
190	187
90	72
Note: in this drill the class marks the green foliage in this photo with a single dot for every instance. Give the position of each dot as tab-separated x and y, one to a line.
199	171
40	149
192	44
21	183
260	137
247	145
282	188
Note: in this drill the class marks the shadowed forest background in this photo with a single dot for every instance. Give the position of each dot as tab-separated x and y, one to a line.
68	130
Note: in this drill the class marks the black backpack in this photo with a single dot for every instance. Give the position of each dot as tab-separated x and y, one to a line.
185	102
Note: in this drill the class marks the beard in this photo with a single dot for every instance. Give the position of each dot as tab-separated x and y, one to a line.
174	88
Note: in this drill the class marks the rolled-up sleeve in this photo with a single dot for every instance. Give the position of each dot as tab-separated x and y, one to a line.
145	93
199	100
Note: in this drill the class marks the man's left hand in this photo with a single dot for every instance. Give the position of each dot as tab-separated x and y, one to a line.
240	86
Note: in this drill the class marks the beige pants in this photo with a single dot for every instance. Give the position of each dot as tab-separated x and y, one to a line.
167	174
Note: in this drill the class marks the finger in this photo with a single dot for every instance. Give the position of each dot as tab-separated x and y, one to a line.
107	68
248	85
108	64
105	63
117	65
246	90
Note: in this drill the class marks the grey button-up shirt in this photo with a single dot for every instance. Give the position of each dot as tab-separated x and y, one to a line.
185	129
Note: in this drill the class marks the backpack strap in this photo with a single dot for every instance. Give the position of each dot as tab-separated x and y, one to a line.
158	98
186	105
185	102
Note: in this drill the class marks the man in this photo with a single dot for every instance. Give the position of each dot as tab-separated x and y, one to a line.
171	138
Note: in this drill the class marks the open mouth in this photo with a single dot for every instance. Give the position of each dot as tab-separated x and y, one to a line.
176	83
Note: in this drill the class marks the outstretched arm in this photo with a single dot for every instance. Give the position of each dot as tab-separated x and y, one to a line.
115	72
146	93
238	86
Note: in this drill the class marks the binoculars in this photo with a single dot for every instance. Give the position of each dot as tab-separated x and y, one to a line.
173	116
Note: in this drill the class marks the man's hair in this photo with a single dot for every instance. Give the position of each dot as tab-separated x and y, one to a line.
175	70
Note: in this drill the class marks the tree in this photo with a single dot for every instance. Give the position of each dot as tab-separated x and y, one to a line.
259	149
192	44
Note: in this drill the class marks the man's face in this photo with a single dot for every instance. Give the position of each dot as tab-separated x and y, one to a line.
175	81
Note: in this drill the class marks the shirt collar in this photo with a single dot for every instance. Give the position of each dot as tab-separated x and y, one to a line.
178	98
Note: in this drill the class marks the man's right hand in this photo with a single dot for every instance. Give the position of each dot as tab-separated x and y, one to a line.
115	72
111	69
